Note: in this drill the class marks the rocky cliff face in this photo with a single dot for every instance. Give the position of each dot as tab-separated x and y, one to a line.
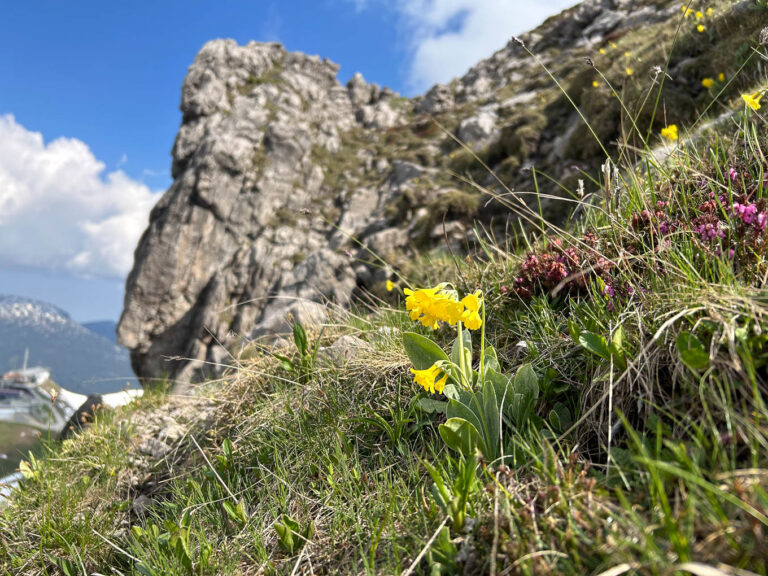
285	180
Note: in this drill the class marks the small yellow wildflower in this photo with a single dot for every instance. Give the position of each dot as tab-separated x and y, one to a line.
752	100
721	77
627	55
595	84
602	50
390	285
629	71
699	15
686	11
701	27
707	82
428	379
670	132
471	316
710	11
613	44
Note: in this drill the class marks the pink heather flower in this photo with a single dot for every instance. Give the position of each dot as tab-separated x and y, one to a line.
732	174
504	288
663	228
745	212
760	221
710	232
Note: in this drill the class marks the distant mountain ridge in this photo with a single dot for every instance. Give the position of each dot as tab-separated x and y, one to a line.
104	328
80	358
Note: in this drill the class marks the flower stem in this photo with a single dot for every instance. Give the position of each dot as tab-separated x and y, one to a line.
482	345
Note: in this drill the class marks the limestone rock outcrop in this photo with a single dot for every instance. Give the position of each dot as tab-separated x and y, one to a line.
285	179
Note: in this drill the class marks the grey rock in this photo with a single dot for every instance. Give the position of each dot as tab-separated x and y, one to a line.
439	99
481	127
342	351
154	448
141	505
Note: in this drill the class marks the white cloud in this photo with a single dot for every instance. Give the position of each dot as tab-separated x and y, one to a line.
447	37
60	211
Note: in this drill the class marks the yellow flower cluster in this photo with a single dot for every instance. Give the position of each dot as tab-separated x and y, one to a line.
670	132
697	13
430	379
752	100
709	82
432	305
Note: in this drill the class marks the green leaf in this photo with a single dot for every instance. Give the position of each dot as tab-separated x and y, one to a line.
285	537
227	449
595	343
573	330
692	351
467	339
421	351
491	422
466	407
560	417
291	523
451	391
618	340
459	435
490	359
285	363
456	354
300	338
431	406
500	383
525	394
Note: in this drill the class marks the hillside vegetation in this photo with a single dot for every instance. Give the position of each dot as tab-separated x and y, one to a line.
584	396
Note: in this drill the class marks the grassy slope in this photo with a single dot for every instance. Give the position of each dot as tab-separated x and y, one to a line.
664	468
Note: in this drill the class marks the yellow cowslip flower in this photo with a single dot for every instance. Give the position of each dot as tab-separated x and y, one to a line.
721	77
428	379
390	285
670	132
699	15
431	305
602	50
629	71
752	100
686	11
707	82
471	316
419	303
701	27
710	11
448	310
595	84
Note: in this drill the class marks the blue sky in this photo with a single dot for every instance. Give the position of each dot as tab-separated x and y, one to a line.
89	94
